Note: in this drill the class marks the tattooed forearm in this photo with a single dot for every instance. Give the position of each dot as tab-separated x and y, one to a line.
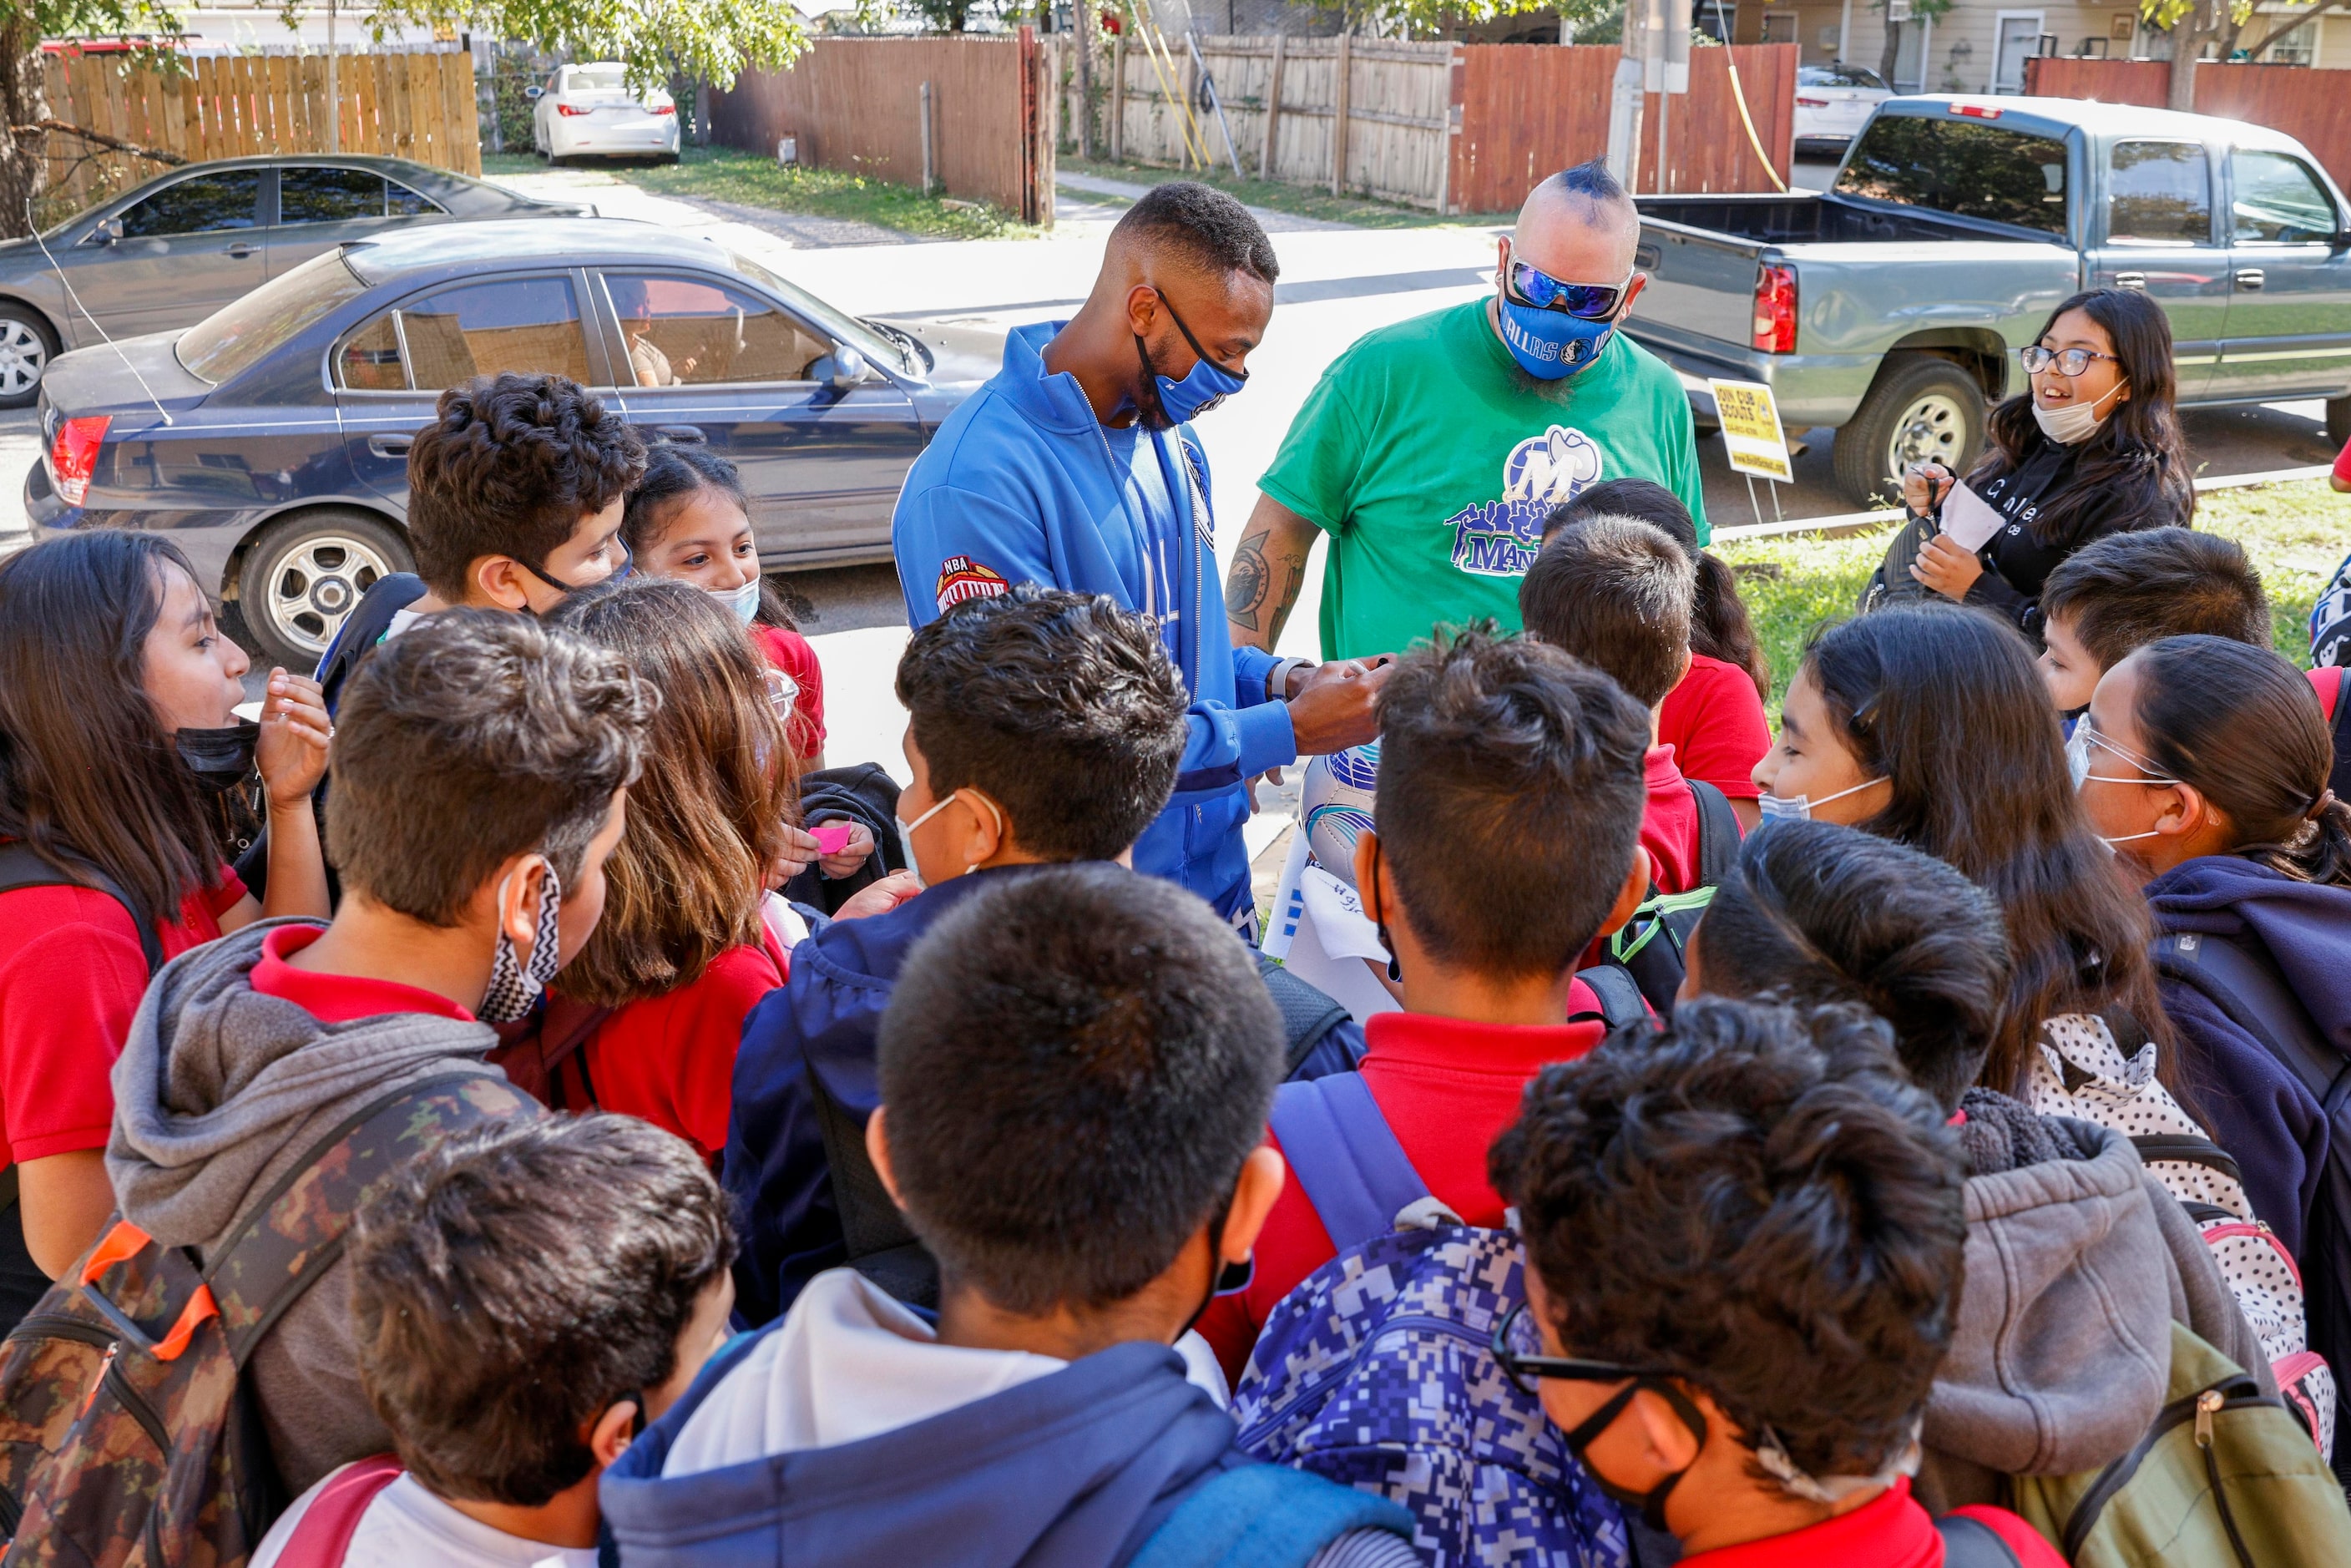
1267	570
1247	584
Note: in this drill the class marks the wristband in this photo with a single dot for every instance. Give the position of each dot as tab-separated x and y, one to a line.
1277	680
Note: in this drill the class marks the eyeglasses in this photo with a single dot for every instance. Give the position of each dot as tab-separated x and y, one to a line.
1524	1370
1586	301
783	694
2069	362
2085	734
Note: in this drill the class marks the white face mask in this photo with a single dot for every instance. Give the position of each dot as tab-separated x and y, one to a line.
1800	807
906	834
2074	422
743	600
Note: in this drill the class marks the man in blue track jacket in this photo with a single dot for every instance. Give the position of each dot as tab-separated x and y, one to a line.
1076	466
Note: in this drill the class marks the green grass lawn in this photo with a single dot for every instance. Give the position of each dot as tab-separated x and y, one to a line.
1301	201
749	179
2295	533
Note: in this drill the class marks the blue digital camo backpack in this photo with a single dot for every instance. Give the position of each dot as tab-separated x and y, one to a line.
1377	1372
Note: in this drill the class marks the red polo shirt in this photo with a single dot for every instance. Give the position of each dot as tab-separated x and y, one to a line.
1714	722
1669	826
71	975
670	1059
1890	1531
337	998
792	654
1448	1087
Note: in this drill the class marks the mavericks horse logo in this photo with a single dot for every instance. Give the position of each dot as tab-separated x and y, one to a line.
1501	539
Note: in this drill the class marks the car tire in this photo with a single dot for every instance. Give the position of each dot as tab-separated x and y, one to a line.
26	347
2338	422
1918	407
304	574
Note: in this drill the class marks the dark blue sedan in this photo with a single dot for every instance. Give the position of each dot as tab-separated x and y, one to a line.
271	439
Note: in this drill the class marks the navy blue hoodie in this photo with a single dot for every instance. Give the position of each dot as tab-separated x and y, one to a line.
829	1011
2258	1110
1075	1469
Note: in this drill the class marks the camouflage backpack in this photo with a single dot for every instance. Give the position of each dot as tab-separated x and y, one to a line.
127	1438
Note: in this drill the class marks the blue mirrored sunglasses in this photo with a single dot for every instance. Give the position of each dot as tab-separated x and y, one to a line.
1590	301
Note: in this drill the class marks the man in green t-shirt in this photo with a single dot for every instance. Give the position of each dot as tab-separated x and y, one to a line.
1431	450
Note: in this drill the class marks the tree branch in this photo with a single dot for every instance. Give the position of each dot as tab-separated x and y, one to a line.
99	138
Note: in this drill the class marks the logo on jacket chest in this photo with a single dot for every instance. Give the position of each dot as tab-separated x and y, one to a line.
962	578
1501	539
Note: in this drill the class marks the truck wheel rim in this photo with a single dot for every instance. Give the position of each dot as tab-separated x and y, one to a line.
23	356
1930	431
313	588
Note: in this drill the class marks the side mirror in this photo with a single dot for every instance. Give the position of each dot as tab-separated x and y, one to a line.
108	231
533	94
848	368
2341	241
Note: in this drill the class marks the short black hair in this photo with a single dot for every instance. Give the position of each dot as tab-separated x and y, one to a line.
1645	500
511	1284
1510	800
1063	708
1814	912
510	465
674	471
1616	593
471	737
2125	590
1074	1063
1757	1201
1208	228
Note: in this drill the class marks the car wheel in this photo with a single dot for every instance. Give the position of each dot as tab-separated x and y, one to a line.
305	574
1919	410
26	347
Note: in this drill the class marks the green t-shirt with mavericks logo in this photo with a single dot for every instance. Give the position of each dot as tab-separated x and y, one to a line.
1431	460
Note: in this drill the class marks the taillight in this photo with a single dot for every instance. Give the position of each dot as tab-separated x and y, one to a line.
1812	103
1775	309
571	110
663	109
73	456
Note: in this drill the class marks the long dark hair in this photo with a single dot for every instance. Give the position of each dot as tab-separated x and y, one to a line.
88	776
2243	726
674	473
1945	704
1720	625
2139	453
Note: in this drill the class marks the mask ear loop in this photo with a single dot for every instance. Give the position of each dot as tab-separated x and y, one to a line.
1396	968
992	812
1652	1503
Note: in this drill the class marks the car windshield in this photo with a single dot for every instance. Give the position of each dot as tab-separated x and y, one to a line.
1972	169
1838	75
844	329
597	78
235	338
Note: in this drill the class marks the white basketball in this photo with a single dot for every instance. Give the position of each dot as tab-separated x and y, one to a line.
1335	802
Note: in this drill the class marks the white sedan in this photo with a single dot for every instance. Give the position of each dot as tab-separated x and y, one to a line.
1832	102
589	111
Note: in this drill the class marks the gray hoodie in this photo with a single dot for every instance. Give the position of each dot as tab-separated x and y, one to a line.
2078	1264
219	1090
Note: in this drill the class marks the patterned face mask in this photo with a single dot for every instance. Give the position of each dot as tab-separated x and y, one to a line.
515	985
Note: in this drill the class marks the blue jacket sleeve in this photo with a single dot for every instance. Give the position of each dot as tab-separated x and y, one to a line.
1251	668
774	1168
1228	744
953	544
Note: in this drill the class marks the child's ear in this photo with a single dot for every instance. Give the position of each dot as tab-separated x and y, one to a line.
1672	1446
877	1149
612	1431
1635	888
500	579
1254	1193
1367	870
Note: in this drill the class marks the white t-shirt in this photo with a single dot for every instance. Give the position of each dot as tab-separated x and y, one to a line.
406	1526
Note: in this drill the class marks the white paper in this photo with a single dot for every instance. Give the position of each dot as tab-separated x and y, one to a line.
1968	518
1337	910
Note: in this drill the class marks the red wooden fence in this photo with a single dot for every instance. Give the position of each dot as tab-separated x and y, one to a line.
2314	107
1526	111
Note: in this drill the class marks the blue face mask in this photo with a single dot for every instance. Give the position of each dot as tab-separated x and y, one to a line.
1206	385
1550	345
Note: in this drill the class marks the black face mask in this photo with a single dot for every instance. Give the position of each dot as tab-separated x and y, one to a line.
1652	1503
219	760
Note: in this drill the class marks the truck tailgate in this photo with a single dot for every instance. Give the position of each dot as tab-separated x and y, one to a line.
1702	287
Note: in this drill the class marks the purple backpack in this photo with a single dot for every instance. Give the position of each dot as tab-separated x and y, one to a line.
1377	1372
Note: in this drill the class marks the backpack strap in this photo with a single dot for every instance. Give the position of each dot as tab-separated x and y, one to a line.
2186	1148
2237	1391
295	1233
533	1054
361	629
1972	1544
1619	996
1346	1156
881	1246
23	866
1717	833
1266	1516
323	1535
2339	780
1307	1013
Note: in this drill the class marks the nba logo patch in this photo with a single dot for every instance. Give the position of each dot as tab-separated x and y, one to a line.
962	578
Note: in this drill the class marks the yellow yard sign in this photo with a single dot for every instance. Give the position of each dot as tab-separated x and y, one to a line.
1750	429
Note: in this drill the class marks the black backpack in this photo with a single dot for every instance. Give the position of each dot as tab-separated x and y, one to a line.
2241	981
2340	779
885	1251
1648	951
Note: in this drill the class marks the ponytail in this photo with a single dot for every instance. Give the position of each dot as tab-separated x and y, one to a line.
2242	726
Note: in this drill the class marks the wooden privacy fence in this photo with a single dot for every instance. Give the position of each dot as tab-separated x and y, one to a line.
859	104
2307	104
418	106
1457	128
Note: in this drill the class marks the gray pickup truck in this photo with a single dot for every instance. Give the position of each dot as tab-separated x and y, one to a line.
1891	307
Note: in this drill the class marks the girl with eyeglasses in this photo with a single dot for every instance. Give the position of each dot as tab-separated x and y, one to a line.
2091	447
